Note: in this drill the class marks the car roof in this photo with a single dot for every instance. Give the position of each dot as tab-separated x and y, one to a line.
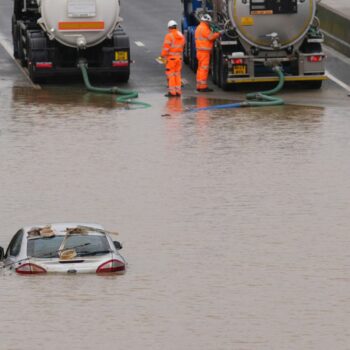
61	227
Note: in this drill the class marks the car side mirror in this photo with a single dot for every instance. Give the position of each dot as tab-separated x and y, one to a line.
2	253
117	245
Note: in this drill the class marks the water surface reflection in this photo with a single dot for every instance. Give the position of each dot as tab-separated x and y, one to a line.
234	223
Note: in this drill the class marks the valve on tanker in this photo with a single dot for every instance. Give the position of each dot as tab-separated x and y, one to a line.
81	42
275	40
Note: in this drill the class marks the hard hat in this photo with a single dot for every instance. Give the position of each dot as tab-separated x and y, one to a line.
172	23
206	18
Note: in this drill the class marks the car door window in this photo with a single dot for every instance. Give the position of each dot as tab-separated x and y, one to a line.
15	245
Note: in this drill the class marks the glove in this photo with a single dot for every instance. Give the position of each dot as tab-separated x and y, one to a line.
161	59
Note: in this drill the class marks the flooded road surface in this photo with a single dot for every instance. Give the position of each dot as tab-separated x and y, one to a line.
235	223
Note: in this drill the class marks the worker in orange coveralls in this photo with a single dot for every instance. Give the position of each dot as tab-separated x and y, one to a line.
205	39
173	47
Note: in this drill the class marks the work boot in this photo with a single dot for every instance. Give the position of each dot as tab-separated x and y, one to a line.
169	95
205	90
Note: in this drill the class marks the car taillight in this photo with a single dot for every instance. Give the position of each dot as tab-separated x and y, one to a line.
30	268
315	58
111	266
237	61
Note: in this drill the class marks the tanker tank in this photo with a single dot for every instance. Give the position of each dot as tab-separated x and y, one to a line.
51	37
79	23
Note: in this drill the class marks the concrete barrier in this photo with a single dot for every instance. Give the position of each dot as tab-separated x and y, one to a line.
336	28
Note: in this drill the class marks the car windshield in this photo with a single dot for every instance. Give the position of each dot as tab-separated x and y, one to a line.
83	245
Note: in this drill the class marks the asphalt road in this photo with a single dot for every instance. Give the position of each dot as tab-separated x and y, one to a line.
146	22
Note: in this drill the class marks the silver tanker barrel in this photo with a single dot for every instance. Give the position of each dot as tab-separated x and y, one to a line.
272	25
79	23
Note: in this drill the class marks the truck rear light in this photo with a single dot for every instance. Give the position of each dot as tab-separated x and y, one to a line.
120	63
44	65
113	265
29	269
315	58
237	61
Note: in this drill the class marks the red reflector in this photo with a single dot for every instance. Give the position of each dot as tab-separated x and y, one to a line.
44	65
238	61
120	64
111	266
315	59
29	268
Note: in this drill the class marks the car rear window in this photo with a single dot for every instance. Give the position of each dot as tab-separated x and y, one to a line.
83	245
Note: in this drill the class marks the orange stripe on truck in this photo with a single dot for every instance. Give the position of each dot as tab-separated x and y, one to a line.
81	26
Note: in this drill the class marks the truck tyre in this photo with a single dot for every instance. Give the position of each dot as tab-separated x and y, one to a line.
223	73
214	66
186	50
22	55
37	52
15	37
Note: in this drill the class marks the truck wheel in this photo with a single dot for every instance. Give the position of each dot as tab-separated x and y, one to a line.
15	37
214	67
223	73
186	50
36	40
21	53
32	74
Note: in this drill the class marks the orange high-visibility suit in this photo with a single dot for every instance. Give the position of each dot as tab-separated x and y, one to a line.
173	47
204	45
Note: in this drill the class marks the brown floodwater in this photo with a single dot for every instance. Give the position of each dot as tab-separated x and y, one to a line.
235	223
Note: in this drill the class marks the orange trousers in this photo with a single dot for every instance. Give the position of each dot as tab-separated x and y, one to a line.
173	72
203	58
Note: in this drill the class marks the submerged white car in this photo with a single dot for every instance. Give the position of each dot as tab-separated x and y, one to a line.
63	248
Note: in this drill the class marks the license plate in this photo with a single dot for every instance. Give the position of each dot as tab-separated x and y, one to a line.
121	56
240	69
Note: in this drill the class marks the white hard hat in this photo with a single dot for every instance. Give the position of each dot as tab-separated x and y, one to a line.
172	23
206	18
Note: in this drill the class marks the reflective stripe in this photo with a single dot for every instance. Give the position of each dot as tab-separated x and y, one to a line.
202	39
203	49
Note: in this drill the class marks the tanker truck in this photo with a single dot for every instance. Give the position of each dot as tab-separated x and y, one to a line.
257	36
50	37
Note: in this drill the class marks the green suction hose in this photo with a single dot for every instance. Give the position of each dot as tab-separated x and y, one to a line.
127	96
254	99
265	98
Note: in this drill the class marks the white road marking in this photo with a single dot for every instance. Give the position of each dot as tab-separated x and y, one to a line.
8	48
139	43
338	82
